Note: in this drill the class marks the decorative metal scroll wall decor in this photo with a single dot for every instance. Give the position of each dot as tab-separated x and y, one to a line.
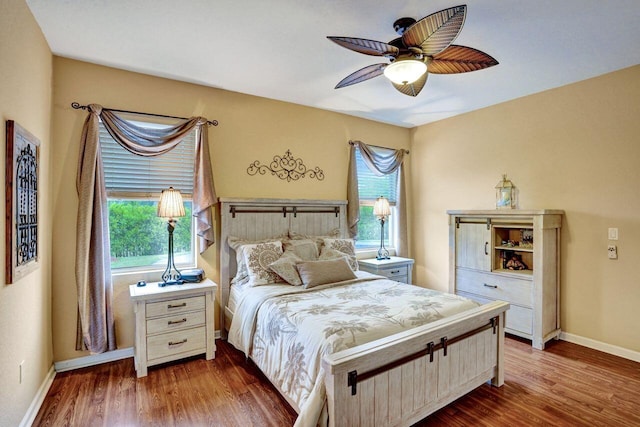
21	186
286	167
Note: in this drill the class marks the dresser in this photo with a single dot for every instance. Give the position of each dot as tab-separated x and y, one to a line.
514	256
395	268
173	322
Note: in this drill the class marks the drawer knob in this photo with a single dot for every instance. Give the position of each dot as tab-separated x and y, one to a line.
184	304
395	271
486	285
177	342
175	322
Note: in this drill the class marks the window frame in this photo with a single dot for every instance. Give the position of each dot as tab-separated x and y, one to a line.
119	195
391	223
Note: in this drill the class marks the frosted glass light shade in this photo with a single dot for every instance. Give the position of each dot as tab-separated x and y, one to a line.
381	208
170	204
406	71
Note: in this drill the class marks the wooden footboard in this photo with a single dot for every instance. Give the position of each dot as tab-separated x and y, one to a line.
399	380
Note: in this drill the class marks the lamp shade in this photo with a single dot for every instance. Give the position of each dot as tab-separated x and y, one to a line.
170	204
405	71
381	208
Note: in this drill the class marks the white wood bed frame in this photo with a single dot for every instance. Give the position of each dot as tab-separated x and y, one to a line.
394	381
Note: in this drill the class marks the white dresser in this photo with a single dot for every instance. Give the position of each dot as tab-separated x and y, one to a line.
514	256
395	268
173	322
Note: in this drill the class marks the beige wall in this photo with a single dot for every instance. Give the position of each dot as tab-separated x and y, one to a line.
574	148
250	129
25	306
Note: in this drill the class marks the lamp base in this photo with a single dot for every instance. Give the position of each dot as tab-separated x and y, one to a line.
171	275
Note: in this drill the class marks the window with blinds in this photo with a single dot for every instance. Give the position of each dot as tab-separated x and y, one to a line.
133	175
370	187
139	239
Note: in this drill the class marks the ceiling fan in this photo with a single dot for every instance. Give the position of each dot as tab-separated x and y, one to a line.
423	47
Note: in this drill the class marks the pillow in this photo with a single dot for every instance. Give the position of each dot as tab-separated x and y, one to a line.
257	258
236	243
294	235
285	267
305	249
343	246
314	273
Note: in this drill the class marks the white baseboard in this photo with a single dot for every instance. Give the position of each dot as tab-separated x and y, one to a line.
93	359
601	346
36	403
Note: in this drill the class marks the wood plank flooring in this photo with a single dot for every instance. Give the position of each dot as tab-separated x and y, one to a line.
565	385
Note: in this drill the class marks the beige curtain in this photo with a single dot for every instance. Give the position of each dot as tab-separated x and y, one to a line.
381	161
96	331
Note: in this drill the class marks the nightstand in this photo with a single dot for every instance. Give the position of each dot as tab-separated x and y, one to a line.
173	322
396	268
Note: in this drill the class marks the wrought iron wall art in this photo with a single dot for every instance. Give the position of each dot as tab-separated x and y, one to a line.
21	186
286	167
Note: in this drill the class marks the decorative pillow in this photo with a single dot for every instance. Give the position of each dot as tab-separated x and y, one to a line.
305	249
344	246
319	240
285	267
236	243
257	258
315	273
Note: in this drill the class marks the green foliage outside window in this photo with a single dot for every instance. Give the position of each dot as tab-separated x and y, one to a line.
369	229
138	237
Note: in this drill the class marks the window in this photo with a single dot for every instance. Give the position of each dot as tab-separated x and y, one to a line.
370	187
138	237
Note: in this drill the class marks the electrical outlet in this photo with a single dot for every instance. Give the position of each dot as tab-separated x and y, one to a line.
612	251
21	367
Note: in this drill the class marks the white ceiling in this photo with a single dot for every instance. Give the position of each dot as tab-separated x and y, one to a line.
278	48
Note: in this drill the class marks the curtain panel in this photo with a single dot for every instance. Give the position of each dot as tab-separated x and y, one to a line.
96	329
381	161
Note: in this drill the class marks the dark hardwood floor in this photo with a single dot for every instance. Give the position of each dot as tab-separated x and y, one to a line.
565	385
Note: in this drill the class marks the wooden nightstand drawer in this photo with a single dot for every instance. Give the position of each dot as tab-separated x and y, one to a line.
495	287
394	272
174	306
174	343
176	322
395	268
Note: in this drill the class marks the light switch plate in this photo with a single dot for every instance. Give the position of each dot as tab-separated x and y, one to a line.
613	234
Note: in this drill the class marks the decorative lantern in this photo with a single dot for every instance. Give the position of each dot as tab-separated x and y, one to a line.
505	194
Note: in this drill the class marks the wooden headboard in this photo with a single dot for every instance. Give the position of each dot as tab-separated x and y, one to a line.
255	219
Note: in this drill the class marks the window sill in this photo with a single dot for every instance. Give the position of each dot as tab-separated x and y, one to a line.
371	253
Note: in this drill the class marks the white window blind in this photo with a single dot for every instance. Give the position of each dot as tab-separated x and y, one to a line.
372	186
127	173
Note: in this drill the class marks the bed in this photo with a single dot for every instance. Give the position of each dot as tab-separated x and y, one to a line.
359	349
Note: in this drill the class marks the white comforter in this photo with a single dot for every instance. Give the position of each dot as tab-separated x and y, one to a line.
287	330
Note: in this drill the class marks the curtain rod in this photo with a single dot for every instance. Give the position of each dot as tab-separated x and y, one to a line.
378	146
77	106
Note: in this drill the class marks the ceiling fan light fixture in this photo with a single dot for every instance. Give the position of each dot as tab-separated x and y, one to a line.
405	71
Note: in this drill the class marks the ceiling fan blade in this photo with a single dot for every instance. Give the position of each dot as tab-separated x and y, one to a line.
412	89
361	75
366	46
460	59
434	33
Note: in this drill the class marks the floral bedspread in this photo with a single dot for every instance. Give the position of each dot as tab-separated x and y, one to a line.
287	330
